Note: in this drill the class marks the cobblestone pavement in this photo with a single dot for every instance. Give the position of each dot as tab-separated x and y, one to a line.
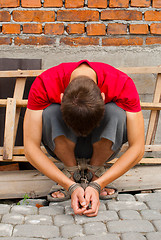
129	217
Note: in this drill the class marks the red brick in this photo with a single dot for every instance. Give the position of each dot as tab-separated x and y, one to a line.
156	4
74	4
122	41
155	28
121	15
117	28
11	29
76	28
139	29
97	3
77	15
9	3
119	3
56	28
34	41
34	16
79	41
32	28
153	40
153	16
5	41
140	3
96	29
31	3
53	3
5	16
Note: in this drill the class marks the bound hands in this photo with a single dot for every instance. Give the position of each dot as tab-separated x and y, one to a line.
81	199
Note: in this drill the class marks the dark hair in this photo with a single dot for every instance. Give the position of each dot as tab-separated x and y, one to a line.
82	105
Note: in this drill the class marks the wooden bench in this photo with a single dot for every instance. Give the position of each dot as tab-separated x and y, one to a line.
11	153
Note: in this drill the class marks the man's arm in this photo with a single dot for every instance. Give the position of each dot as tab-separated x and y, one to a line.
135	152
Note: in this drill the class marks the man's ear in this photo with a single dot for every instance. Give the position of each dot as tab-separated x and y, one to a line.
61	96
103	96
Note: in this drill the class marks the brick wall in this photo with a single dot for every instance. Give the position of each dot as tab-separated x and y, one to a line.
80	22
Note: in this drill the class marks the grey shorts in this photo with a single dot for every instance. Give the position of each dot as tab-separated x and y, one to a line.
112	127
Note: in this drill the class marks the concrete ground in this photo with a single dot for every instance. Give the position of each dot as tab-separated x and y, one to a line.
128	217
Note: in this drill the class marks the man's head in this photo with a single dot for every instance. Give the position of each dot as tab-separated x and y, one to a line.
82	105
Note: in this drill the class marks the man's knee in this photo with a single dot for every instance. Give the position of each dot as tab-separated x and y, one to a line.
112	111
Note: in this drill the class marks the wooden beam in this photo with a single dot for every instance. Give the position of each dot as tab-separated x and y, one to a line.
34	73
9	129
154	116
19	103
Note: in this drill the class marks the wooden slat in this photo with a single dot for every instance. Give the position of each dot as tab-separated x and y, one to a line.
34	73
9	129
154	116
18	94
19	103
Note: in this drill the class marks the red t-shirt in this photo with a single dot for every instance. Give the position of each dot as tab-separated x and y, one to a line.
116	85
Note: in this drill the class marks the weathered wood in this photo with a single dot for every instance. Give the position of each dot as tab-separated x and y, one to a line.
154	116
18	94
35	184
19	103
34	73
9	129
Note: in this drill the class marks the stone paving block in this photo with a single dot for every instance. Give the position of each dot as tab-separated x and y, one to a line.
153	236
129	214
123	226
39	231
145	197
69	231
60	220
151	214
157	224
133	236
58	239
108	236
64	204
52	210
24	210
38	219
156	205
5	230
126	197
4	208
123	205
20	238
69	210
13	218
103	216
95	227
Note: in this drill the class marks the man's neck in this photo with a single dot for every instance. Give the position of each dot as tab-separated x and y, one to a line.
84	70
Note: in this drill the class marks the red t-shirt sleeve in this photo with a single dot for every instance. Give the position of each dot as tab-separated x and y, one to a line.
38	97
129	97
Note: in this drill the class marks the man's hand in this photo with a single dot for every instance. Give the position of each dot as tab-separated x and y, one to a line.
78	202
92	197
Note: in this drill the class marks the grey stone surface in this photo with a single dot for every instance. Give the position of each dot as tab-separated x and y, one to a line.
13	218
95	227
157	224
133	236
123	205
129	215
24	209
70	231
5	230
145	197
61	220
156	205
20	238
4	208
126	197
123	226
53	210
41	231
153	236
108	236
39	219
151	214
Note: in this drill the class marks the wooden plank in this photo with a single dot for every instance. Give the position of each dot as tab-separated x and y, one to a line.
35	184
9	129
19	103
34	73
154	116
18	94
